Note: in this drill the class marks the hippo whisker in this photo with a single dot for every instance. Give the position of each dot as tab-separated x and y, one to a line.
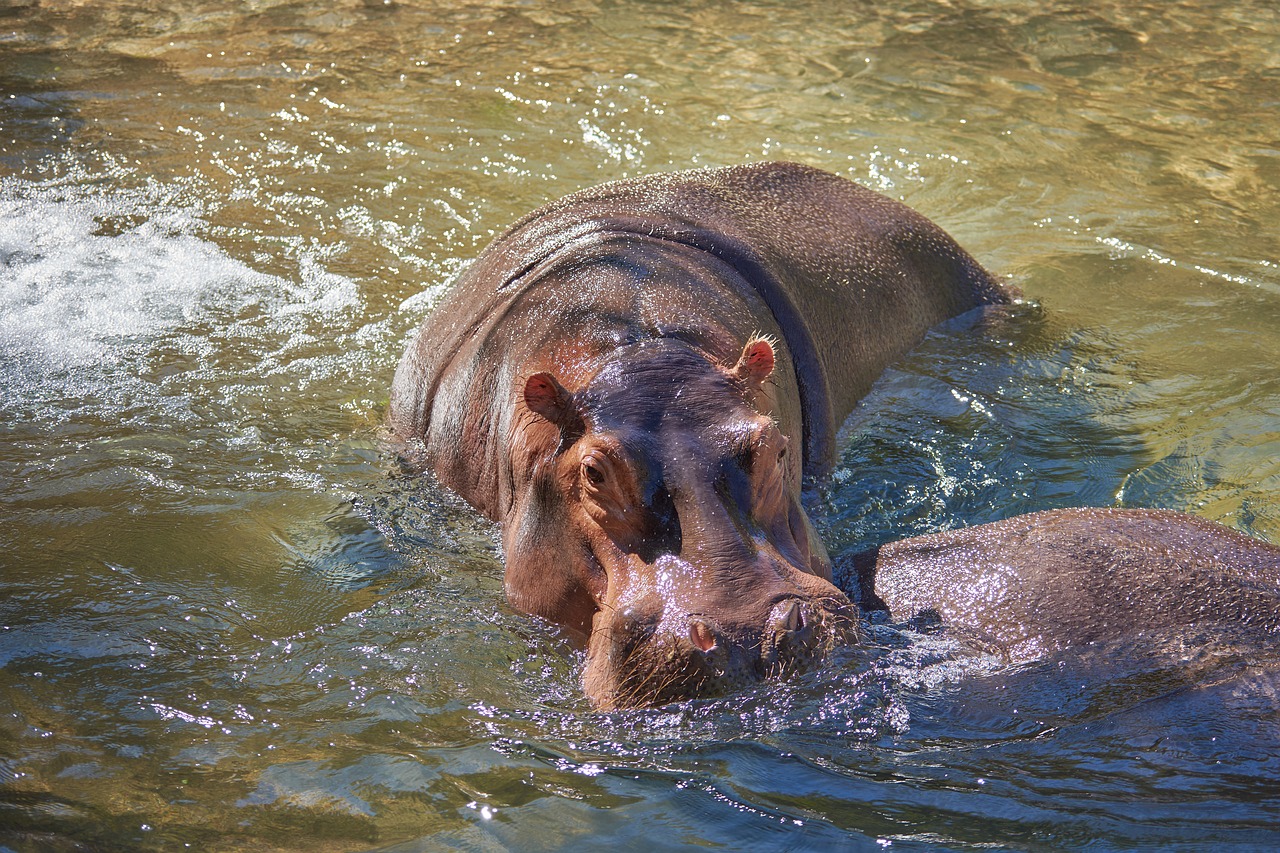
641	687
644	691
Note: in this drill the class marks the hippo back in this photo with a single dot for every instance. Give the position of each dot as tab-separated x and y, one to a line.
1057	579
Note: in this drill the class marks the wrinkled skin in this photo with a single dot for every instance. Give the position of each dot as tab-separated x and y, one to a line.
1048	581
634	380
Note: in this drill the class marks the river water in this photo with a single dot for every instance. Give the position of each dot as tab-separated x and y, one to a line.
227	621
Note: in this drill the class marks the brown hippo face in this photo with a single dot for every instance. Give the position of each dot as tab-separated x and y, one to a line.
663	521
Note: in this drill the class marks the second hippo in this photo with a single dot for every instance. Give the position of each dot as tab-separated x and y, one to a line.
1040	583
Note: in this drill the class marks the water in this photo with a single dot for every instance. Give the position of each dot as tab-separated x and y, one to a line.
226	620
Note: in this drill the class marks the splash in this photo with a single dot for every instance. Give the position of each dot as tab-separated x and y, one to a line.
93	281
84	276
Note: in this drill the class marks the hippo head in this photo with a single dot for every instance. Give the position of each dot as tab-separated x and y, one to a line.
661	523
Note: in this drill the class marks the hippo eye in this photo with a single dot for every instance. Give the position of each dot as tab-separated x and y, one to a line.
783	447
593	473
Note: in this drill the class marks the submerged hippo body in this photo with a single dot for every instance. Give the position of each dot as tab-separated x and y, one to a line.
1048	581
633	381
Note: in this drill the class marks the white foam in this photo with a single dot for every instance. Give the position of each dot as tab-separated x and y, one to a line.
92	279
84	276
80	272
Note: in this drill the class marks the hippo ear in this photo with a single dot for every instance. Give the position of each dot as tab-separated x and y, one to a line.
756	363
547	397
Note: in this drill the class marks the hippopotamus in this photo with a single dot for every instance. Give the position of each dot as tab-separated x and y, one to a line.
1044	582
635	380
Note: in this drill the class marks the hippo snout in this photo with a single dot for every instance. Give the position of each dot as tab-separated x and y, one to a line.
791	638
644	655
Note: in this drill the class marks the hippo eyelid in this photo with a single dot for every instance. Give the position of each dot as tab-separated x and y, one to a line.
603	449
606	467
595	466
745	446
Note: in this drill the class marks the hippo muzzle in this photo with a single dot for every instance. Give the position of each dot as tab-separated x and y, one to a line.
658	647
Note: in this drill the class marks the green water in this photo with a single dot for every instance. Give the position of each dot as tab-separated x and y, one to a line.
227	622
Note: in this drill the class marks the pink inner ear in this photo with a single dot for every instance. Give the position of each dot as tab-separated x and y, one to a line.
757	360
543	395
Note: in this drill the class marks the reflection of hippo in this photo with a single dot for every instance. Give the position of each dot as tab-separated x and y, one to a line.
1047	581
617	380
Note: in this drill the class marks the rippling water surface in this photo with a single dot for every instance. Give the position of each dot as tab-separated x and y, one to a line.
226	620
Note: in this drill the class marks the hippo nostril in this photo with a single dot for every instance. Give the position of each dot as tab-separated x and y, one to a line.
788	617
700	635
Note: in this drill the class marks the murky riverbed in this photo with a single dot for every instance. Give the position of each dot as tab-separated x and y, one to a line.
227	622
